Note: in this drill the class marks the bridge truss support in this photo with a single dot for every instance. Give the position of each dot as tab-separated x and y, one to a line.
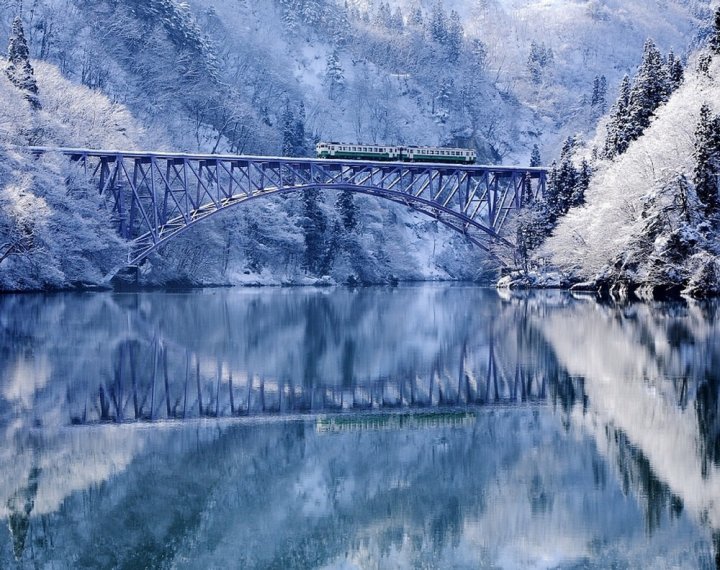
156	196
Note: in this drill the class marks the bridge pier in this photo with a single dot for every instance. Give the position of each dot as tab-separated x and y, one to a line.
127	279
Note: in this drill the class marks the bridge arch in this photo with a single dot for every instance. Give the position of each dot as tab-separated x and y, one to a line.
144	245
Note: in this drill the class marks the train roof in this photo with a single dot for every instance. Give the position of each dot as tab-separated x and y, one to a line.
413	146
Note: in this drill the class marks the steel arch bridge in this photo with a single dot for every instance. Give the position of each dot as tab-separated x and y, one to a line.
155	196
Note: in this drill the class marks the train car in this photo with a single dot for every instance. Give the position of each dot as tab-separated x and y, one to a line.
439	154
396	153
357	151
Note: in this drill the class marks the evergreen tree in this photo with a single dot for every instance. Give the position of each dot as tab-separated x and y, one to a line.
345	206
301	146
454	38
703	64
312	13
540	58
383	16
397	22
707	161
675	71
567	177
314	225
478	51
334	75
581	185
552	204
288	131
617	139
291	16
535	159
341	26
416	17
438	23
442	108
599	94
715	38
650	90
19	70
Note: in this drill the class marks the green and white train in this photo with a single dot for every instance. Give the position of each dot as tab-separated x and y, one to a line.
396	153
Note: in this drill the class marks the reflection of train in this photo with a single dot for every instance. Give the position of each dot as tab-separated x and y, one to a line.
393	421
396	153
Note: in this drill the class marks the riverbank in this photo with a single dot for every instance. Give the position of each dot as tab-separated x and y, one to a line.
704	284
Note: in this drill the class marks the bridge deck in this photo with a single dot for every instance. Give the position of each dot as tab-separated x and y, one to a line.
163	155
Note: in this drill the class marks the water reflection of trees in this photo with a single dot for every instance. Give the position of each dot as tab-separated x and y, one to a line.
654	384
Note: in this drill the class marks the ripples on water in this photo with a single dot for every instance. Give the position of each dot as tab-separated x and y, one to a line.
414	427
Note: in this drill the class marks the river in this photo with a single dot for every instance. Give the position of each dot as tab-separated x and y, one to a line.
429	426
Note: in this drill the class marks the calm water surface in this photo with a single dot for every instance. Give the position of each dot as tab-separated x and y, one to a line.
413	427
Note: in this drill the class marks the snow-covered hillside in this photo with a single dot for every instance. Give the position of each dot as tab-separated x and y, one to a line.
643	225
54	232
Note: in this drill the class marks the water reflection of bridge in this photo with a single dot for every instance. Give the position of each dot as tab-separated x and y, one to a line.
156	382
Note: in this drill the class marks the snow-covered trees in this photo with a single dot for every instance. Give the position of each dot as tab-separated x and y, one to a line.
318	255
598	99
454	40
675	71
656	79
438	24
650	89
566	183
334	75
715	37
54	230
345	205
540	59
535	159
651	215
706	173
19	70
294	141
618	138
